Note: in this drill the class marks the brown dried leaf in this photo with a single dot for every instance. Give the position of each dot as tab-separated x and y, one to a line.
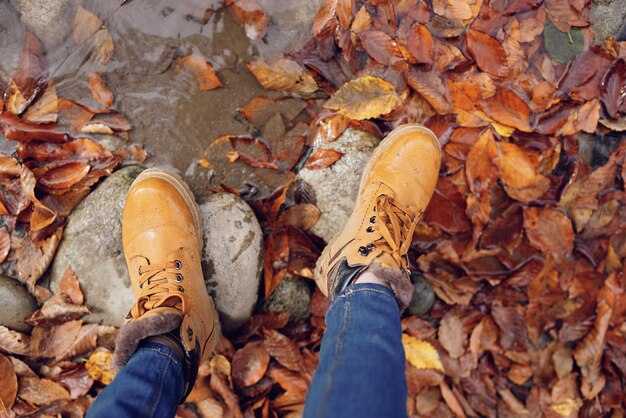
5	243
550	231
564	14
250	364
85	25
30	75
303	216
65	176
76	380
284	350
430	86
85	341
34	258
284	75
480	167
613	92
14	342
323	158
8	389
56	310
463	11
380	46
364	98
451	334
69	284
38	391
519	175
221	387
488	53
99	90
202	70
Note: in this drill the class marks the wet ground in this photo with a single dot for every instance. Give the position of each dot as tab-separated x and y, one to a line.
171	118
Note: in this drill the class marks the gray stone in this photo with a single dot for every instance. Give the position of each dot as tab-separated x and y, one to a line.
232	258
607	17
336	187
292	296
92	246
423	296
16	303
50	20
11	42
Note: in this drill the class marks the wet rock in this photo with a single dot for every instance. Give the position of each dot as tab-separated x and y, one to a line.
16	303
423	296
292	296
335	188
92	246
232	258
11	42
50	20
607	17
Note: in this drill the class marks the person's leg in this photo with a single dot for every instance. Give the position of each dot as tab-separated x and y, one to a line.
361	368
150	385
364	271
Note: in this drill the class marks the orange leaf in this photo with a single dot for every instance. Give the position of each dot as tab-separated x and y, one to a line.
203	71
284	75
65	176
46	108
38	391
488	53
430	86
31	73
380	46
550	231
322	158
509	109
303	216
99	90
250	14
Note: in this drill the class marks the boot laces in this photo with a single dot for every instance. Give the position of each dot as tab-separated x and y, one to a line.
160	287
396	224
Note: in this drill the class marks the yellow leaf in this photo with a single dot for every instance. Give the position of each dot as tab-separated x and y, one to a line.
421	354
284	75
205	163
220	364
364	98
502	130
99	367
566	406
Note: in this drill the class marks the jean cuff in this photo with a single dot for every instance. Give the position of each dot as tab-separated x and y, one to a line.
162	350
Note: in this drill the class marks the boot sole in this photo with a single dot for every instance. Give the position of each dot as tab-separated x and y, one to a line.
380	149
183	189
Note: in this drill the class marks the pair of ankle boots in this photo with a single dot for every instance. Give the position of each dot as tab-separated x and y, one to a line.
162	238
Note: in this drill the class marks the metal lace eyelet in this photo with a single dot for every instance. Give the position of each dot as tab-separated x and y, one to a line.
178	265
369	229
182	289
179	278
364	251
370	246
189	333
373	219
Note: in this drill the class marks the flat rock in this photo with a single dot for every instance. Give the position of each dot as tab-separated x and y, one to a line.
16	303
292	296
50	20
92	246
336	187
232	258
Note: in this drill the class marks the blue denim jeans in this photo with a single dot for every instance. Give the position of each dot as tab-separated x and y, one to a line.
360	373
361	370
150	385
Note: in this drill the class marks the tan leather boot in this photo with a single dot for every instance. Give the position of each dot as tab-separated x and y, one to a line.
162	237
396	186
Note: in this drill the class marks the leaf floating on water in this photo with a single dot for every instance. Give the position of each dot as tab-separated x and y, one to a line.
203	71
421	354
30	75
46	108
364	98
283	74
250	14
88	27
65	176
99	90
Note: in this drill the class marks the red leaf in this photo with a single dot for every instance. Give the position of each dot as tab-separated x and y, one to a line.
614	88
238	142
488	53
550	231
322	158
